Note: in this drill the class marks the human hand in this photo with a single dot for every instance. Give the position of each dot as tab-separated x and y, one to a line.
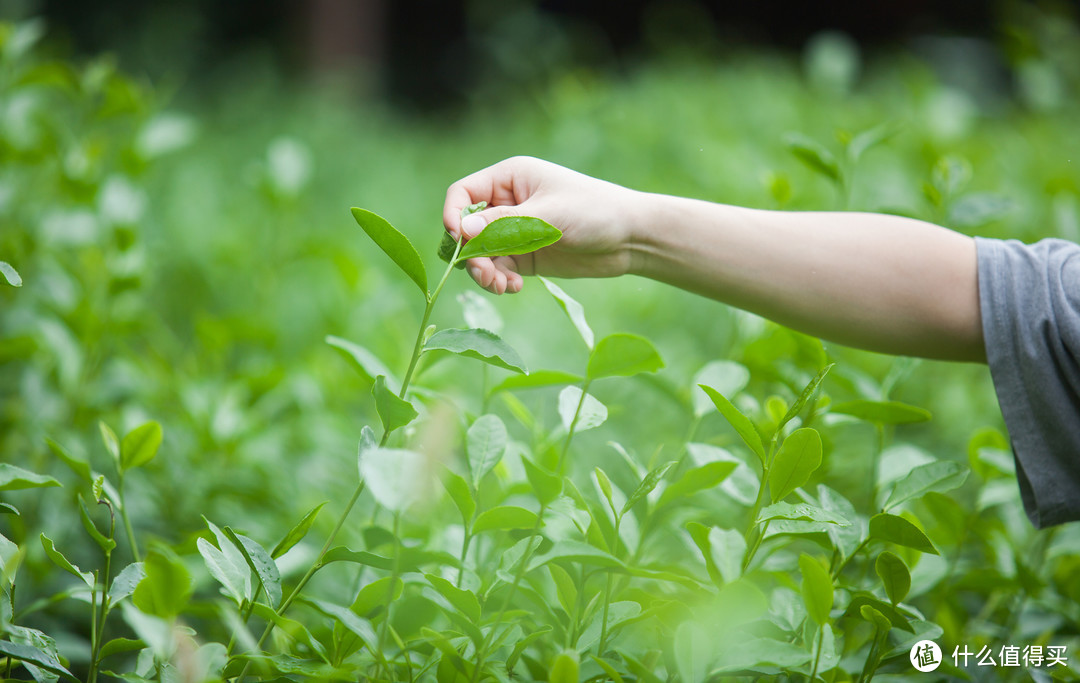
592	214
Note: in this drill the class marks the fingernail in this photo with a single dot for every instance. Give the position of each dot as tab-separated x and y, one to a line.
473	224
475	272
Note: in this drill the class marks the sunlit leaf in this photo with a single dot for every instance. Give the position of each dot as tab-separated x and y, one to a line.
592	413
167	587
623	355
574	310
479	344
13	478
894	529
743	427
798	457
394	412
60	561
396	245
485	443
894	576
297	533
881	412
140	445
937	476
510	236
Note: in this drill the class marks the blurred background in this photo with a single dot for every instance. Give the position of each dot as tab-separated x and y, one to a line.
175	179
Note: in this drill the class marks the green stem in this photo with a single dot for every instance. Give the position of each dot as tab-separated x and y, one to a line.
464	552
93	629
390	595
573	426
817	657
847	559
127	521
752	536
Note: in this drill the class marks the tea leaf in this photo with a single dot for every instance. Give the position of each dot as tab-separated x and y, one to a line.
895	617
868	139
938	476
893	529
894	576
140	446
740	422
647	485
485	443
807	393
510	236
396	477
363	361
623	355
357	625
798	457
125	582
106	544
232	579
696	479
60	561
574	310
396	245
462	600
727	377
593	413
459	492
36	657
112	444
479	344
504	517
479	312
545	485
817	589
118	646
77	465
537	378
812	513
261	563
576	551
564	668
815	156
167	587
881	412
297	533
727	548
372	598
10	275
13	478
394	412
447	249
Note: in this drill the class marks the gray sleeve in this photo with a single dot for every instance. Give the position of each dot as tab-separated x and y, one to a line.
1029	296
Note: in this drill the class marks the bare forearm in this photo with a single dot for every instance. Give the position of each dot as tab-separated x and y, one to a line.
879	282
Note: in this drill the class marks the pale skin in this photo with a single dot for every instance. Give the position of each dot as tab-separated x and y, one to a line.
873	281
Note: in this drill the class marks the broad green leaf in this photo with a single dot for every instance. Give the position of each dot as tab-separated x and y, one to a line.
226	563
60	561
574	310
394	412
938	476
261	563
565	588
759	653
79	466
894	529
372	598
807	393
699	533
727	548
485	443
524	643
463	600
647	485
895	617
696	479
510	236
355	624
125	582
112	444
812	513
845	538
10	274
448	246
398	478
726	376
293	628
740	422
363	361
894	576
118	646
576	551
479	344
608	668
623	355
695	650
592	414
361	557
868	139
538	378
605	487
167	587
504	517
297	533
396	245
479	312
106	544
459	492
817	589
8	509
545	485
12	478
814	155
619	613
875	617
881	412
564	668
798	457
35	657
140	445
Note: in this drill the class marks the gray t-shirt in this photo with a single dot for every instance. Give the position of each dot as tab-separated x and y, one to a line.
1029	296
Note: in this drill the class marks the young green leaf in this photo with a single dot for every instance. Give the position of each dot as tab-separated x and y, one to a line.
740	422
260	562
605	487
812	513
394	412
77	465
545	485
485	443
510	236
167	587
371	600
13	478
366	364
536	379
447	248
9	509
10	275
814	155
574	310
564	668
696	479
894	529
623	355
817	589
937	476
798	457
593	413
479	312
894	576
106	544
396	245
35	657
398	478
726	376
504	517
807	393
463	600
297	533
356	625
112	444
60	561
126	581
459	492
647	485
479	344
881	412
727	548
140	445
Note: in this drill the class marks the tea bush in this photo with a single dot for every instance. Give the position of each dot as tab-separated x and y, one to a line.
201	338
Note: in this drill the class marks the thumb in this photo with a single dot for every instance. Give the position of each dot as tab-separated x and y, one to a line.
472	224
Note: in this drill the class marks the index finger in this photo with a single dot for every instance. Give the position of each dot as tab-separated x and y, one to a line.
494	185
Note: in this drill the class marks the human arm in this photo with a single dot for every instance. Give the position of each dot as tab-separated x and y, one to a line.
878	282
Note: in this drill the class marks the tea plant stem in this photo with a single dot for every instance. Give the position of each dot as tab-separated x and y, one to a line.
847	559
464	552
390	593
817	656
752	535
573	426
127	521
93	628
